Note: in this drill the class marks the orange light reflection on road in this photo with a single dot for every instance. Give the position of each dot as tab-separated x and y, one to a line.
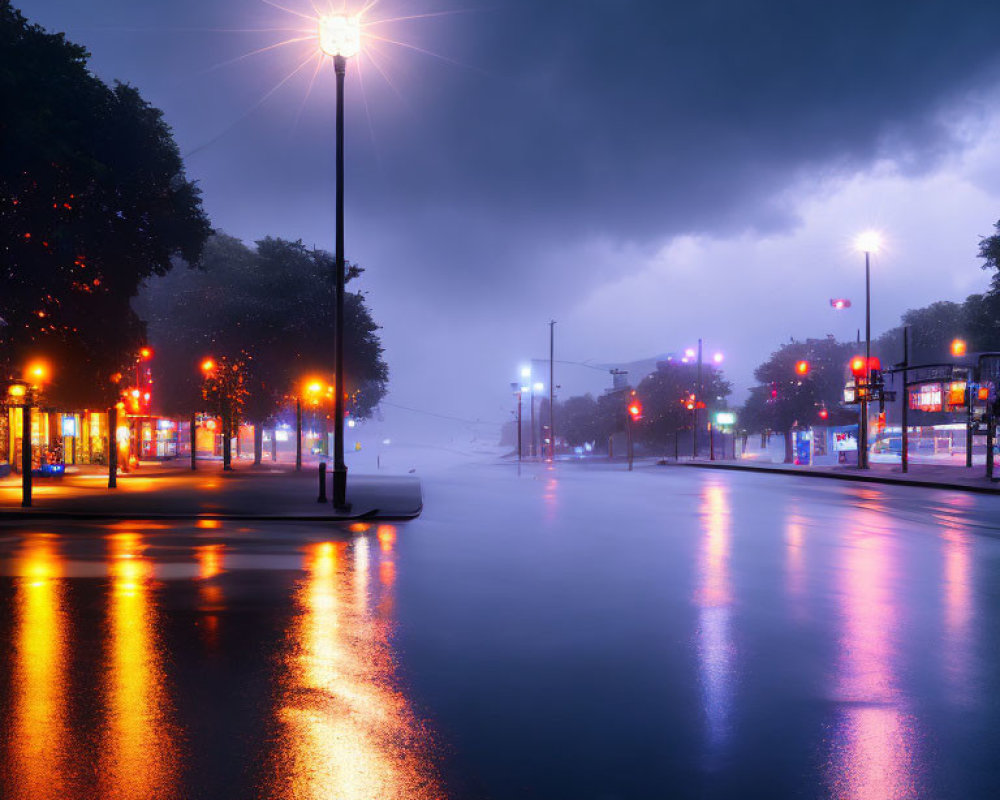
386	537
716	654
874	741
344	731
139	758
38	731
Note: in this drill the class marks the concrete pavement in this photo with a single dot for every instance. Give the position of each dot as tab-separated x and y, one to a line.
170	490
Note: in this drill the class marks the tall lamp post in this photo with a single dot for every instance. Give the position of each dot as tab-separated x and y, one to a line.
19	393
339	37
868	242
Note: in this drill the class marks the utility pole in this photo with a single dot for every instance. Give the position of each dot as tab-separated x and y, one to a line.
697	399
906	399
863	431
552	390
531	398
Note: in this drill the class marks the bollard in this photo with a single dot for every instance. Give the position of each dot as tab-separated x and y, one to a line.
322	482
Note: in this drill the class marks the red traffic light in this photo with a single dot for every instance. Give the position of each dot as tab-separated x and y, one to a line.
858	366
823	413
635	409
802	368
840	303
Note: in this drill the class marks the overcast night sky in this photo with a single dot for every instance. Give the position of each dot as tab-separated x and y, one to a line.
644	172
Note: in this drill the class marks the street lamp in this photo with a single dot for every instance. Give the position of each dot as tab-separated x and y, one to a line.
19	393
958	347
868	242
340	38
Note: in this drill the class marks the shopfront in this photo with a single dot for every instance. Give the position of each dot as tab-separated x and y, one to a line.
156	436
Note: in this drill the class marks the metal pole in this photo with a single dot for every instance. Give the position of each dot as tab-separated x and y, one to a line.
711	443
990	436
969	391
906	400
531	399
113	447
552	390
519	426
339	467
298	434
26	452
863	432
628	435
193	437
697	399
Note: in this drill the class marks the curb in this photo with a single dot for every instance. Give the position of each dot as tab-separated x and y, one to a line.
372	515
847	476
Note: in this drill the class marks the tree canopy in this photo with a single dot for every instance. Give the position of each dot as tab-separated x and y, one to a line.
93	200
272	307
785	398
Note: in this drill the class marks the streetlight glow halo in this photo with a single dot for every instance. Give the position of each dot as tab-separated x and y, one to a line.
869	242
340	35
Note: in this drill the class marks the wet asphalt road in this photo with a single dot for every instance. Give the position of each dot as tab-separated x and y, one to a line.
579	632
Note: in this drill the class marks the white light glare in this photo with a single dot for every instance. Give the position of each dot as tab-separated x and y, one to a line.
717	358
539	387
340	35
525	372
869	242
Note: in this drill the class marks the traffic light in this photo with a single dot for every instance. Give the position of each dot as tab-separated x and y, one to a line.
858	367
802	368
634	407
823	413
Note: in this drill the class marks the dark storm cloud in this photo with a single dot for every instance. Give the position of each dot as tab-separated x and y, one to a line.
625	119
644	118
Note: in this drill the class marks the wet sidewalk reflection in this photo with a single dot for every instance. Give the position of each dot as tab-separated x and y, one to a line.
91	699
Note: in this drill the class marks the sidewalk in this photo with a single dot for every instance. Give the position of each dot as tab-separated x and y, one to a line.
931	476
170	490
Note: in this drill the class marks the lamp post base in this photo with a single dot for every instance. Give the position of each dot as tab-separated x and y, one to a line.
340	488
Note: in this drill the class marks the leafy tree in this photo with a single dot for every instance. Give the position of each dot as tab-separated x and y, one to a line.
989	252
273	307
932	330
785	399
93	200
224	390
666	394
578	420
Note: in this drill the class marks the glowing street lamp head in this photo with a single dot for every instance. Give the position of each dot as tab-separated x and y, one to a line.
869	242
37	372
208	365
689	353
315	387
717	358
340	35
525	372
146	353
958	347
